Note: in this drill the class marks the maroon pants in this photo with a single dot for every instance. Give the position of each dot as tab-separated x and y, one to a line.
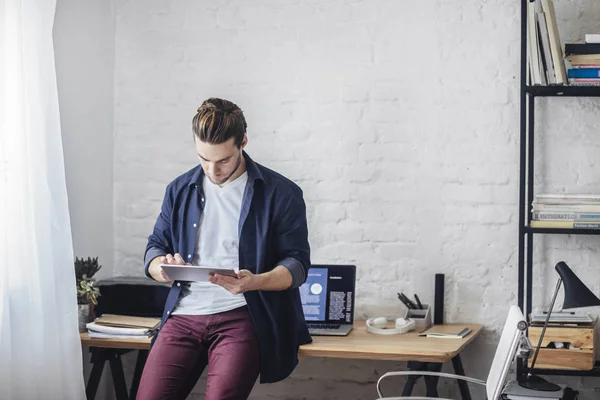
226	342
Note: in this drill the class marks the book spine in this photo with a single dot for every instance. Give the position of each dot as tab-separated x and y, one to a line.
585	66
564	208
582	48
565	224
583	73
549	215
592	38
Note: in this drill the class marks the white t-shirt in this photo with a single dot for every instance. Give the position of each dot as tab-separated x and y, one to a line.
217	245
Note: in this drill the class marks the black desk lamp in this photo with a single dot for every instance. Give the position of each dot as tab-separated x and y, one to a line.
576	295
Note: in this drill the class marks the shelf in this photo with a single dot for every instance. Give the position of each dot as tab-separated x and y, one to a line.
562	231
571	372
564	91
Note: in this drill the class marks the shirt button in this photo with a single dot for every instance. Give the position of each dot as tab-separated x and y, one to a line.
189	256
178	284
203	199
195	225
168	312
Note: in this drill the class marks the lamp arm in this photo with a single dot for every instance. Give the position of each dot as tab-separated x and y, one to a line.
537	349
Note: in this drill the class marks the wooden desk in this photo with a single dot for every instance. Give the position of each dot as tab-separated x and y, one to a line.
422	353
406	347
111	350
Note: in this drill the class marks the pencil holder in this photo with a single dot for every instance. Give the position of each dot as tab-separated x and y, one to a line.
422	317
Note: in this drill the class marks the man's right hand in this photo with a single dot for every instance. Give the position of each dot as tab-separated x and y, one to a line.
157	272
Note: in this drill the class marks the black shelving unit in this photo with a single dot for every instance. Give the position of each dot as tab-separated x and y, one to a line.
528	95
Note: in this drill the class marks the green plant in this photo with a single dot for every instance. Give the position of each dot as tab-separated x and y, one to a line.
87	292
85	270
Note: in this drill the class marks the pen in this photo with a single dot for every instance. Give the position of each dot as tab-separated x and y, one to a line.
404	301
418	302
409	301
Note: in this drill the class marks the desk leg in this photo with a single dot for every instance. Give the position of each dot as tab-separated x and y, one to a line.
118	376
94	380
409	384
430	381
462	385
137	375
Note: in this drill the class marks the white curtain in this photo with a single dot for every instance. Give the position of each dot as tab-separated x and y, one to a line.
40	353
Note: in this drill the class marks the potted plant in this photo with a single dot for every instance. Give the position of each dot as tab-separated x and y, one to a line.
87	292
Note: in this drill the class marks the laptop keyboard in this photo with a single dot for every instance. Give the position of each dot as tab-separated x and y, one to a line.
324	326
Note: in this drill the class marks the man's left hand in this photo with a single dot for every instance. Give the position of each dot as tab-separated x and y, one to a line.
245	281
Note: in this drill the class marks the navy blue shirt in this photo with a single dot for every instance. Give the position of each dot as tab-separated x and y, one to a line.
272	231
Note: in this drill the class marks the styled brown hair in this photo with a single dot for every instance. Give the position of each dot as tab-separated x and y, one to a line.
219	120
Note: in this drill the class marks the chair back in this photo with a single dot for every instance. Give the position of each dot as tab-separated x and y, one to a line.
505	353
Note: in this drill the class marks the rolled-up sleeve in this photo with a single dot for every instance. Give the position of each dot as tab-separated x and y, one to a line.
160	242
292	239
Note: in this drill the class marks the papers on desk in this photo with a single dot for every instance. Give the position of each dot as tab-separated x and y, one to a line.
122	326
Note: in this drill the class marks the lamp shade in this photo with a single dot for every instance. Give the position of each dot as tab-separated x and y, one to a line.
576	293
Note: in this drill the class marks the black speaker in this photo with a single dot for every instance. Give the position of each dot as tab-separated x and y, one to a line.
134	296
438	308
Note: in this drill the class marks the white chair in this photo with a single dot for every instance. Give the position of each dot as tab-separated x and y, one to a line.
512	334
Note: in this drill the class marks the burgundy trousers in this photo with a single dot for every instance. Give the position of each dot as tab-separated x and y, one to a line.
226	342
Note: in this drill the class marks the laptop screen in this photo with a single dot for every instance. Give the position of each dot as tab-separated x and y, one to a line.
328	294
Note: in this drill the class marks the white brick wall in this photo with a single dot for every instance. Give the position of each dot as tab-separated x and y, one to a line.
399	119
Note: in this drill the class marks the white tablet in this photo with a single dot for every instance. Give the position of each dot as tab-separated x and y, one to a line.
194	273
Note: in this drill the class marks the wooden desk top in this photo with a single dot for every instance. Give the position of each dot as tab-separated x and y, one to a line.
358	344
135	344
405	347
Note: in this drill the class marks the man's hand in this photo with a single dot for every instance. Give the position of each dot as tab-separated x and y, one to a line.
245	281
157	272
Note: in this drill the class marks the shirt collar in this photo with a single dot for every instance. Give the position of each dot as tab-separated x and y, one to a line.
251	167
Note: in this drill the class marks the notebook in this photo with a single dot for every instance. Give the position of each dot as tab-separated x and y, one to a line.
125	321
446	331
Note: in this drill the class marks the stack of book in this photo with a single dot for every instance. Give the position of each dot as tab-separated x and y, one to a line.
571	211
122	327
545	54
585	62
561	319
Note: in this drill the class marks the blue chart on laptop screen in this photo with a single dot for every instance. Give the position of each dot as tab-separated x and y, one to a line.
328	295
314	294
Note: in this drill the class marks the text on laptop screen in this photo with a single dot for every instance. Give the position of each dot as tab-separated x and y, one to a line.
328	294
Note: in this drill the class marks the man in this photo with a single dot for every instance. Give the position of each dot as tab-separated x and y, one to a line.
228	212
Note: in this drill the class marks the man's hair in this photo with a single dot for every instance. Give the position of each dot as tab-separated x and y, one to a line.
219	120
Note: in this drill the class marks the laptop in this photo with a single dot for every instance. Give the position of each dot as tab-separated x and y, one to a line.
328	299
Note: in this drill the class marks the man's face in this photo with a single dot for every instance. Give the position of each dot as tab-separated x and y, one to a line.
219	161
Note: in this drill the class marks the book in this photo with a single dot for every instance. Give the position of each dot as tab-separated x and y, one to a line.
565	216
535	66
100	335
126	321
446	332
561	317
544	41
555	46
575	208
567	198
579	59
592	38
582	48
565	224
583	73
114	330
